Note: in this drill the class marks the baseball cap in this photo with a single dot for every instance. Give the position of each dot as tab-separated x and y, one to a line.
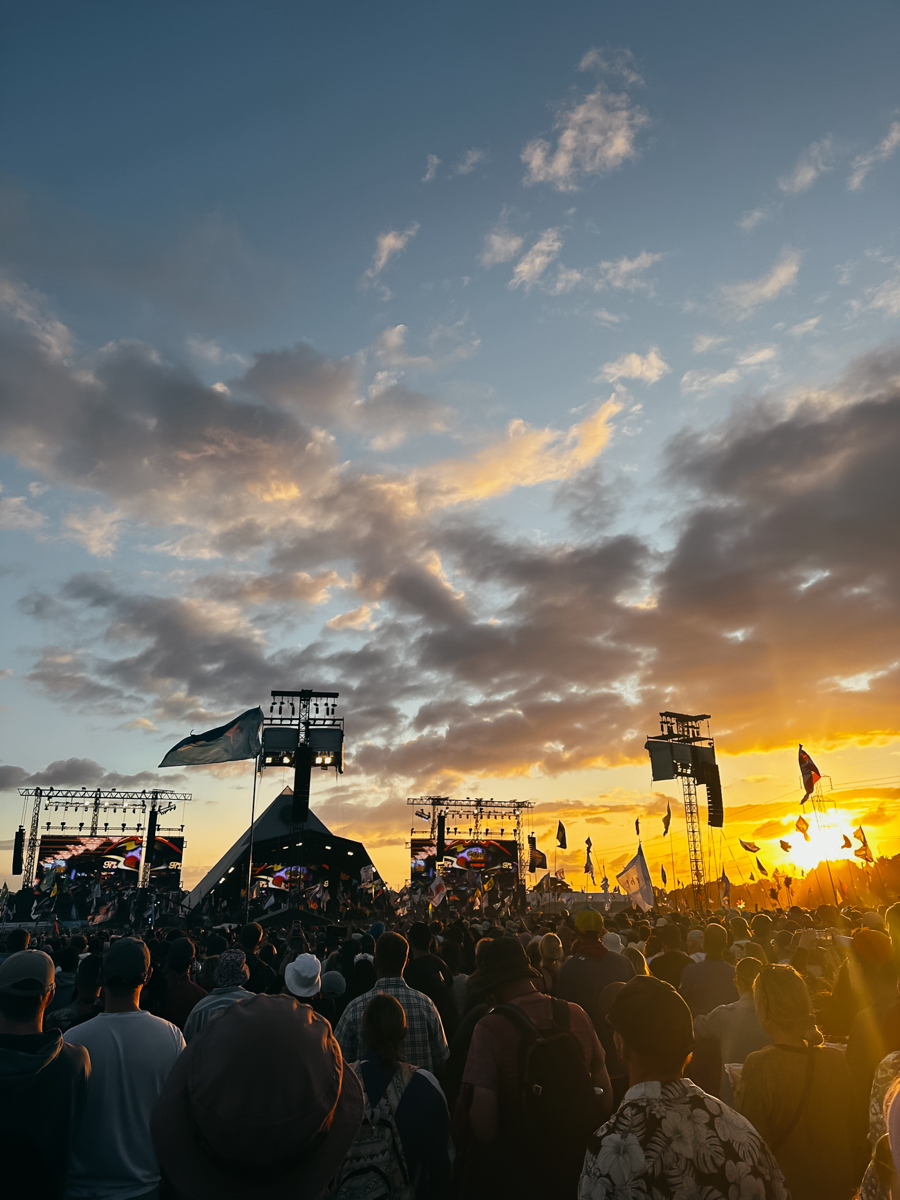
126	959
588	920
27	973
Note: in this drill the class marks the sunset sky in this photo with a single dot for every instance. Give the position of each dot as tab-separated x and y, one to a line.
518	371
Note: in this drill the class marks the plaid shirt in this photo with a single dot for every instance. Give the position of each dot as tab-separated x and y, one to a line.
425	1044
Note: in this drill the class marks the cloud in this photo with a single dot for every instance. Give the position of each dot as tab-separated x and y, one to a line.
650	367
446	343
610	60
535	261
744	298
357	618
500	245
85	772
755	216
387	246
605	317
808	326
16	513
815	160
706	341
431	168
627	273
757	356
869	159
469	162
596	135
95	529
704	383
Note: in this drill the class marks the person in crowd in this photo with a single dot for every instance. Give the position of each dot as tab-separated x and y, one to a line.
43	1081
131	1053
491	1103
636	958
452	954
797	1093
694	944
707	984
669	1138
182	994
229	981
17	940
591	968
303	979
735	1027
740	935
261	1105
426	1043
551	955
671	962
66	966
428	973
406	1097
363	977
87	1002
334	989
262	977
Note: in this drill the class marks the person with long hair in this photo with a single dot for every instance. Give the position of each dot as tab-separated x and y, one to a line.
797	1094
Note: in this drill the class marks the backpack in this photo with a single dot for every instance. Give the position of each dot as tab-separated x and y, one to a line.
557	1102
375	1166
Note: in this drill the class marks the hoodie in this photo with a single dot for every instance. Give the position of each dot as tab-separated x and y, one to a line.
43	1083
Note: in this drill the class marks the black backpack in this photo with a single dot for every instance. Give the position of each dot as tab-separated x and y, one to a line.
557	1102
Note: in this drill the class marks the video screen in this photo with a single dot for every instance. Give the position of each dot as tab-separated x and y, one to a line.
117	859
465	854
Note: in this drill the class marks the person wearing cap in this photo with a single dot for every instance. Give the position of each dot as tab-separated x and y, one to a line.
43	1081
585	976
230	976
132	1052
492	1077
426	1044
303	979
182	994
262	1104
668	1137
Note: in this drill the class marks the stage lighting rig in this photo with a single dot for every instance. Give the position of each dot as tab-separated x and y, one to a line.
299	735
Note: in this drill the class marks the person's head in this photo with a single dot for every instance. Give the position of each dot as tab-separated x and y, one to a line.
384	1028
783	1005
126	967
333	985
670	936
181	956
391	953
589	924
502	969
451	953
715	940
419	937
67	960
26	988
751	950
892	923
551	949
761	927
364	975
740	930
652	1029
88	978
215	945
219	1106
231	969
250	937
745	974
637	960
78	943
18	939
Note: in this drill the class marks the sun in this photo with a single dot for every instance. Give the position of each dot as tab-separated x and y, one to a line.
826	836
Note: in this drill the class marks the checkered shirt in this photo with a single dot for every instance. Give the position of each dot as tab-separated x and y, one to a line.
424	1045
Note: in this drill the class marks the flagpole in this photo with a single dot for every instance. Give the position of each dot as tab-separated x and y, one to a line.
250	857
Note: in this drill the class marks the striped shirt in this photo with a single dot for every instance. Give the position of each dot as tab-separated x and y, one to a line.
211	1006
424	1045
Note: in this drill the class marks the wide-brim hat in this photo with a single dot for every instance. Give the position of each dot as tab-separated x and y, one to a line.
269	1071
502	961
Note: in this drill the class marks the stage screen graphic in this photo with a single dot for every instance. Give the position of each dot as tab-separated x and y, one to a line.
485	855
116	859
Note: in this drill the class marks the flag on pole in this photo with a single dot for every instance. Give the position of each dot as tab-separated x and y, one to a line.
561	874
846	843
809	771
667	819
784	845
726	884
240	738
762	870
752	877
637	826
537	860
438	890
635	881
865	853
859	835
803	825
561	835
588	865
662	871
750	847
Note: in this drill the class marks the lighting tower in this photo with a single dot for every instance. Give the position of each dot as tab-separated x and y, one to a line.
478	813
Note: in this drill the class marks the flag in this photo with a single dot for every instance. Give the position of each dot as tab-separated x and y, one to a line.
238	739
667	819
784	845
726	884
561	874
588	865
662	871
762	870
438	890
802	825
808	770
561	835
846	843
537	860
859	835
750	847
637	826
865	853
635	881
752	877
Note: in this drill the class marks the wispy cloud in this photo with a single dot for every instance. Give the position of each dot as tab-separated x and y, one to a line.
595	136
389	244
16	513
500	245
702	383
611	60
649	367
627	273
605	317
706	341
756	216
814	161
865	162
469	162
535	261
431	168
757	356
807	326
744	297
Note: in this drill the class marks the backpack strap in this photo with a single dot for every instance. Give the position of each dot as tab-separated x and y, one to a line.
562	1014
516	1016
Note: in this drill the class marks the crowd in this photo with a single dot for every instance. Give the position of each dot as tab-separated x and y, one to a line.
601	1057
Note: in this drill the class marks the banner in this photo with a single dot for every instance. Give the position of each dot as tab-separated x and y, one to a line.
634	880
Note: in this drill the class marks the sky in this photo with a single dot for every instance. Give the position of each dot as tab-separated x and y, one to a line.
519	371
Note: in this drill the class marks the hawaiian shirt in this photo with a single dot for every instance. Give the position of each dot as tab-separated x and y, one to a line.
673	1141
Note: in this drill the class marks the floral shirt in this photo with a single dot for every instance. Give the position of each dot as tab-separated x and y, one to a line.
673	1141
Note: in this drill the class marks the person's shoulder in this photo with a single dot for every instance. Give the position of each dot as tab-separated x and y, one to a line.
76	1056
425	1087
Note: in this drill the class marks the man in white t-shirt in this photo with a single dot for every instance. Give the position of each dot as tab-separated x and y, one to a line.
131	1053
